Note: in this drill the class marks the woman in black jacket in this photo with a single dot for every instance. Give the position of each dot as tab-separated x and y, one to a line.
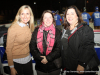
78	45
45	45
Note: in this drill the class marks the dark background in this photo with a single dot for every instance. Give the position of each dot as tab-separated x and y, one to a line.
9	8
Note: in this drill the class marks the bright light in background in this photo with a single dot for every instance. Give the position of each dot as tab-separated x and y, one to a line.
34	2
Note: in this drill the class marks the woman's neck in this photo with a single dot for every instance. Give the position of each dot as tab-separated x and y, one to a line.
24	23
71	27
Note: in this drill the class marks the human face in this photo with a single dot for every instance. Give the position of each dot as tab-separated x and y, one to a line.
71	16
25	16
47	19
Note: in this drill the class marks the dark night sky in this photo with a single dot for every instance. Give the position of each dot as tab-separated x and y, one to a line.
42	5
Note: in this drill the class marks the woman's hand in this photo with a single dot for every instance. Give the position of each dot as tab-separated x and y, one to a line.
13	71
80	69
44	60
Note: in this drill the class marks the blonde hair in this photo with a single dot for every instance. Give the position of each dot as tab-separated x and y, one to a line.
17	17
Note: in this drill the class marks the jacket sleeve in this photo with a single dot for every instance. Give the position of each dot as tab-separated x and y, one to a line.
56	52
9	45
86	48
33	46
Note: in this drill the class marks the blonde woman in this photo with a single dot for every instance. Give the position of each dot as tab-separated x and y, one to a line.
18	39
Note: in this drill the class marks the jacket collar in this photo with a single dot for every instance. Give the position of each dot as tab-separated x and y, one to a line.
78	27
81	24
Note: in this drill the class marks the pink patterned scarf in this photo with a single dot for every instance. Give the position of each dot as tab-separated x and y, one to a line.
50	38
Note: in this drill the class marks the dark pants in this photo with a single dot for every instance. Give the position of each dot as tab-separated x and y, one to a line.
56	72
25	69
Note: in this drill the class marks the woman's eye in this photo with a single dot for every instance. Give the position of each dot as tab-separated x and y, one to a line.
27	13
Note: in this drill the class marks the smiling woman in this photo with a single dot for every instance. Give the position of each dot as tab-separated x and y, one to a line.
78	51
45	45
72	18
25	16
18	39
47	19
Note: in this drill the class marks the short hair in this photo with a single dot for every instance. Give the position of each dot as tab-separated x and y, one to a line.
80	20
96	8
17	17
47	11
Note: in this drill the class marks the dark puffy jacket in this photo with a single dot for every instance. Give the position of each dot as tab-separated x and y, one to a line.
55	53
80	48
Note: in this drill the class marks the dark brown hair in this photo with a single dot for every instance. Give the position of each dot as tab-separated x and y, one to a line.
47	11
80	20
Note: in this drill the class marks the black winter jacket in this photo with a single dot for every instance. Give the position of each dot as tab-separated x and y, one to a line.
80	48
55	53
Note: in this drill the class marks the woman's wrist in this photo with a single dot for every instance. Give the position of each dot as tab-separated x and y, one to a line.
12	66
